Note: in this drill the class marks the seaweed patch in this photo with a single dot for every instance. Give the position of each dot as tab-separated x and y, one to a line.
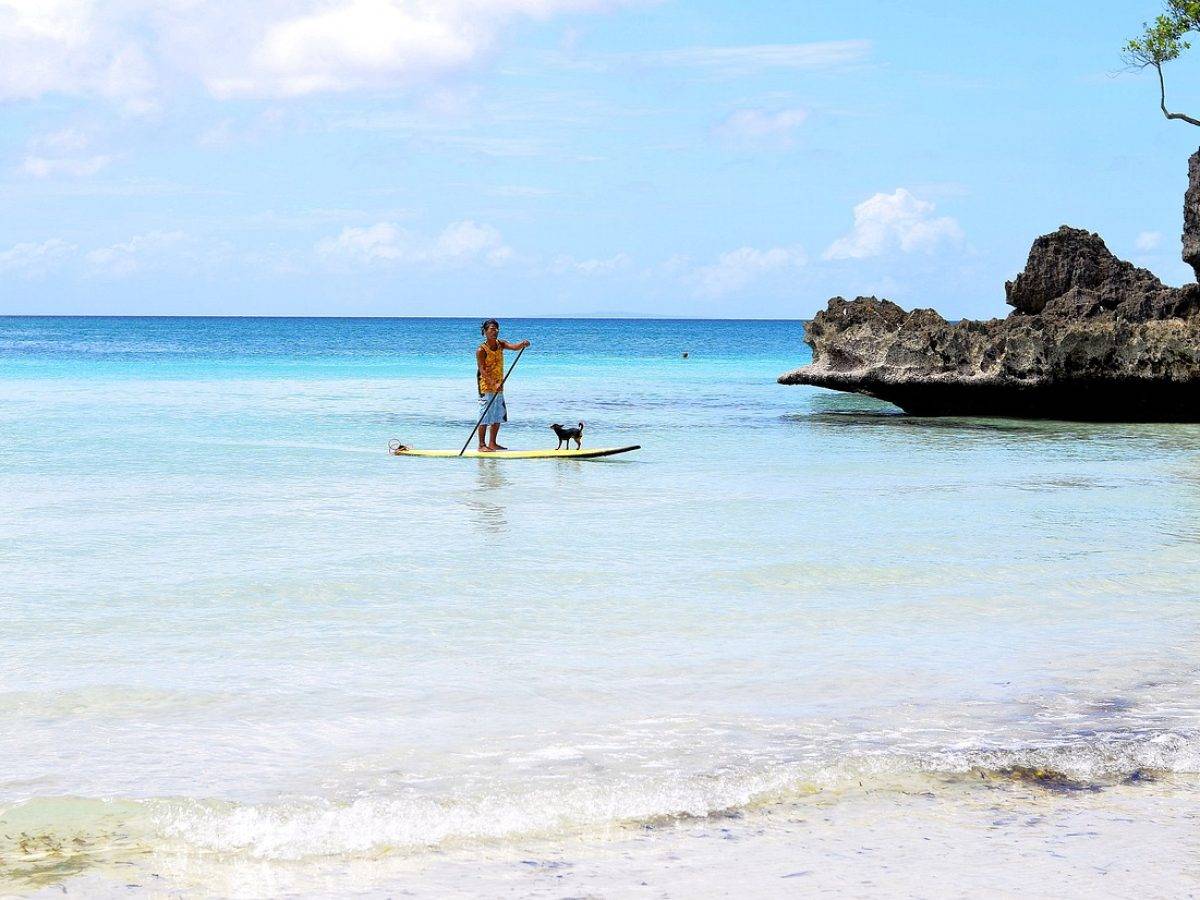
1038	776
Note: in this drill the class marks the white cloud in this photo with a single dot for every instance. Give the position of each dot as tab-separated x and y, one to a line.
458	244
144	251
128	50
898	221
761	126
356	44
465	241
737	269
381	242
63	152
72	47
676	264
1148	240
747	60
561	265
33	260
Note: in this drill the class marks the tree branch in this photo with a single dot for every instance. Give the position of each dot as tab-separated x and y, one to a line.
1162	90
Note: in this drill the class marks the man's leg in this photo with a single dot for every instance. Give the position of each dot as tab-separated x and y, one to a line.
495	430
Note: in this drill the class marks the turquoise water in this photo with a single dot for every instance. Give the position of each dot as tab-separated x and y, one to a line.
238	631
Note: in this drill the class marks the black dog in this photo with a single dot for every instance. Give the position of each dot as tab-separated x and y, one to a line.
566	435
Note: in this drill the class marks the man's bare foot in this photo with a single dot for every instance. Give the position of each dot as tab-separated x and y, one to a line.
483	449
498	447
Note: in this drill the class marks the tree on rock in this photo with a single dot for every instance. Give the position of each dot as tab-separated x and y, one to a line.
1162	41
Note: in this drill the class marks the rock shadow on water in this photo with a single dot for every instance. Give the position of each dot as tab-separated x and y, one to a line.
898	419
833	412
856	411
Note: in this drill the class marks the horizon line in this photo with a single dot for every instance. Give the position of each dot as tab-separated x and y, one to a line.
615	318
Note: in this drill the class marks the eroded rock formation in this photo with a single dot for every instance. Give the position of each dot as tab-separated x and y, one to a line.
1191	216
1090	337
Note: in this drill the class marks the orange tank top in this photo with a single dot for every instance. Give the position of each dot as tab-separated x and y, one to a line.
491	375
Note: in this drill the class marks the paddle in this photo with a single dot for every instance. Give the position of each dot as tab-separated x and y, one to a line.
493	400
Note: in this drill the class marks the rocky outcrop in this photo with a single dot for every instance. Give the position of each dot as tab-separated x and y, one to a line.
1072	273
1191	216
1090	337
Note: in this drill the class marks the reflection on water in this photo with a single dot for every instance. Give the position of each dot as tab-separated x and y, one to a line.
487	502
567	473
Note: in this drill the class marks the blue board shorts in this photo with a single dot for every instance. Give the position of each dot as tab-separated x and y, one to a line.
498	414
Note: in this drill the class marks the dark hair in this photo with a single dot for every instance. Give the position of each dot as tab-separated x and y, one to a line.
486	322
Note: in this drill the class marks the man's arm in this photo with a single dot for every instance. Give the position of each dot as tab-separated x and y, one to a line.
480	359
521	346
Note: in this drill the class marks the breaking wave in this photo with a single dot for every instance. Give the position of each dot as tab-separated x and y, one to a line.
412	818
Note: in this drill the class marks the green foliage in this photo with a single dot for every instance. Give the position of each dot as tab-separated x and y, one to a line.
1162	40
1186	11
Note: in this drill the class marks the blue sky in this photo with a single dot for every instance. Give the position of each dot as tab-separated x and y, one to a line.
530	157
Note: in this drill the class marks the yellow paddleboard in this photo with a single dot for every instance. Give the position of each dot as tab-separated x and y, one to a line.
401	450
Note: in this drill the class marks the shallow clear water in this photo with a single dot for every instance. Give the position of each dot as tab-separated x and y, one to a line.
236	629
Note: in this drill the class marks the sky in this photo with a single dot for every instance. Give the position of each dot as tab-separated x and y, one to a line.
570	157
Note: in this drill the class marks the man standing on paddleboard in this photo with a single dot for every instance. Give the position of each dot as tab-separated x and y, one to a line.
489	372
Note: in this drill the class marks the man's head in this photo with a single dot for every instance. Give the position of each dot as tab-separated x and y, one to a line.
490	328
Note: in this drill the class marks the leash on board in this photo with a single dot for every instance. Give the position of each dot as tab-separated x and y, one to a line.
493	400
